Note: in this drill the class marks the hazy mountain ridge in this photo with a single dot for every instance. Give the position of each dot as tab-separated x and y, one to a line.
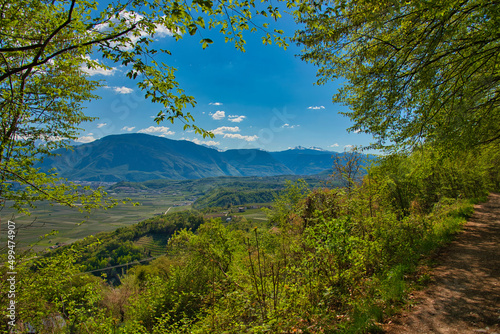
305	161
141	157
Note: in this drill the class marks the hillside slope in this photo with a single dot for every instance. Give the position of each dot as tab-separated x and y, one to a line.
141	157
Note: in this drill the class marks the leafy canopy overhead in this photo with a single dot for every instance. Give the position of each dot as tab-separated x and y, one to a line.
47	50
415	71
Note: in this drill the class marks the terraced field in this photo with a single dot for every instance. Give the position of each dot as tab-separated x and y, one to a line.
154	246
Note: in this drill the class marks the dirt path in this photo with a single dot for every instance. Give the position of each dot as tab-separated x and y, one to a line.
465	294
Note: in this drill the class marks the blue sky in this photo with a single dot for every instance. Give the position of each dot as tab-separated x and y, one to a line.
262	98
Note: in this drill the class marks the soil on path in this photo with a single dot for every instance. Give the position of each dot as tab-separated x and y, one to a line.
464	296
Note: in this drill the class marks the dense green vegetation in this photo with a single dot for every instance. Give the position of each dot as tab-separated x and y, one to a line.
328	260
226	198
122	247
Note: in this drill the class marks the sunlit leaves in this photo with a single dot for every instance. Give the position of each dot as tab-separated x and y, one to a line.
415	71
205	42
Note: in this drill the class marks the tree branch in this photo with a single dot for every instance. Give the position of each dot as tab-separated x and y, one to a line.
21	48
39	189
67	49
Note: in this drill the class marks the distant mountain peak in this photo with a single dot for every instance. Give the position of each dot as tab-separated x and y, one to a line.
313	148
141	157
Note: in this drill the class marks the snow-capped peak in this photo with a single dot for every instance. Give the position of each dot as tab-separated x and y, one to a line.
314	148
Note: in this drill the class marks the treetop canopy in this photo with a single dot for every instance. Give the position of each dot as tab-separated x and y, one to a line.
416	71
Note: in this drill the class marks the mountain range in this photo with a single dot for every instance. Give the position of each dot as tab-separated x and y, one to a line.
142	157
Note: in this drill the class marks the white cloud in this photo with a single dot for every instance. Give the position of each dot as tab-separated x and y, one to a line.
123	90
120	90
238	136
128	128
98	70
223	129
215	104
288	126
348	146
86	139
206	142
236	118
100	125
219	114
357	131
162	31
316	107
132	18
162	130
334	145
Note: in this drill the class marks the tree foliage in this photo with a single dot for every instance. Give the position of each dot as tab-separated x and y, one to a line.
415	71
227	197
48	49
346	168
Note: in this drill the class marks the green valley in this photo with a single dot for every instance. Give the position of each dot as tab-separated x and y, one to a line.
153	198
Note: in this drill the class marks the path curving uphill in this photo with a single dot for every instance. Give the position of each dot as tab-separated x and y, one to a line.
465	294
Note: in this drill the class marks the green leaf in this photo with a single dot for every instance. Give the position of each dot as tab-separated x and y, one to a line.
205	42
192	29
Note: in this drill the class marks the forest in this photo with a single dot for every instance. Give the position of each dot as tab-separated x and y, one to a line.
420	77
